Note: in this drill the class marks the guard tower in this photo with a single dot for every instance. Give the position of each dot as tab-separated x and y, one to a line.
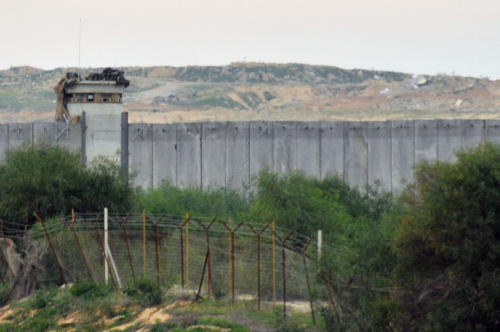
99	96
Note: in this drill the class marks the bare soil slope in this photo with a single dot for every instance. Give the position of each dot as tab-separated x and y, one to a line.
259	91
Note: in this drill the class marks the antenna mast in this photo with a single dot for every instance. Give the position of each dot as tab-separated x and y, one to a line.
79	41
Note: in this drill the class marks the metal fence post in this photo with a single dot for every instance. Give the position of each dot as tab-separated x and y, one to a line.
106	240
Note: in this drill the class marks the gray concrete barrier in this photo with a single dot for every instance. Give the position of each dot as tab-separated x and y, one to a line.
189	155
141	154
164	154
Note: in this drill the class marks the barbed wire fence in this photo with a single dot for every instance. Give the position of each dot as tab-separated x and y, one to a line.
205	257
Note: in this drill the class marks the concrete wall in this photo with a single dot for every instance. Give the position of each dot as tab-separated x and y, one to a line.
15	135
230	154
222	154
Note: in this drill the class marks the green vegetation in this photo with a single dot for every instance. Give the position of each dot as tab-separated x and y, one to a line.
448	248
50	180
428	261
145	291
173	201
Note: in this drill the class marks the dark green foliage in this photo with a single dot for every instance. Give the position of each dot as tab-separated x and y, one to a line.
163	327
90	290
50	180
448	247
4	293
145	291
174	201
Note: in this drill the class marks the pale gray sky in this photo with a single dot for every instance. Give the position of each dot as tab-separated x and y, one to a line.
418	36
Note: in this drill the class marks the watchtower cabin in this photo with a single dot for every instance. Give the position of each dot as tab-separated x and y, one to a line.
97	93
100	96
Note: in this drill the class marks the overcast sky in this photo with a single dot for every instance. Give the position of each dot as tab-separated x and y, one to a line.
418	36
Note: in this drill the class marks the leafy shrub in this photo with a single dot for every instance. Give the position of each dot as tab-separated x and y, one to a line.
174	201
147	292
163	327
4	293
90	290
50	180
448	247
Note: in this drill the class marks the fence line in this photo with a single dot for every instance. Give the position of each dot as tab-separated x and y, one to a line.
207	257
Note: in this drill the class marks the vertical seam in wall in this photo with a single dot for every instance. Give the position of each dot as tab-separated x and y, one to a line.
248	161
344	140
367	140
296	140
176	146
272	147
152	156
389	123
320	155
226	125
483	131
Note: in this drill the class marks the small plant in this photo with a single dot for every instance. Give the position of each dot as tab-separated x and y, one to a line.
163	327
147	292
90	290
4	293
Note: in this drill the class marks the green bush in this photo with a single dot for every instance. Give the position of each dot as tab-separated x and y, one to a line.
90	290
4	293
173	201
50	180
448	246
145	291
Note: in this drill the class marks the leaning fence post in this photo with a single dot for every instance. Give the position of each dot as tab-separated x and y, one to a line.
181	241
258	235
273	259
144	243
187	248
320	245
303	253
232	257
47	236
129	255
157	250
209	259
103	248
77	240
283	267
106	240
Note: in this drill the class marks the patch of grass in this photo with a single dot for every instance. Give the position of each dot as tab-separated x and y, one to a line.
90	290
145	291
4	293
162	327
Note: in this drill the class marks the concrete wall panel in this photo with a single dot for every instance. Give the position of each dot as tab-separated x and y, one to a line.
472	133
261	147
69	136
164	154
308	148
20	134
141	154
402	154
103	135
355	154
450	139
189	155
492	131
426	140
284	147
379	154
213	144
238	156
332	149
44	132
4	141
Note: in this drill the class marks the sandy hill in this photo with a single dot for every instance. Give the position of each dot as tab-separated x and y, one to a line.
261	91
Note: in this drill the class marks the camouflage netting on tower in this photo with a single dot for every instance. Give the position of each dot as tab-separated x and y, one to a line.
71	79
